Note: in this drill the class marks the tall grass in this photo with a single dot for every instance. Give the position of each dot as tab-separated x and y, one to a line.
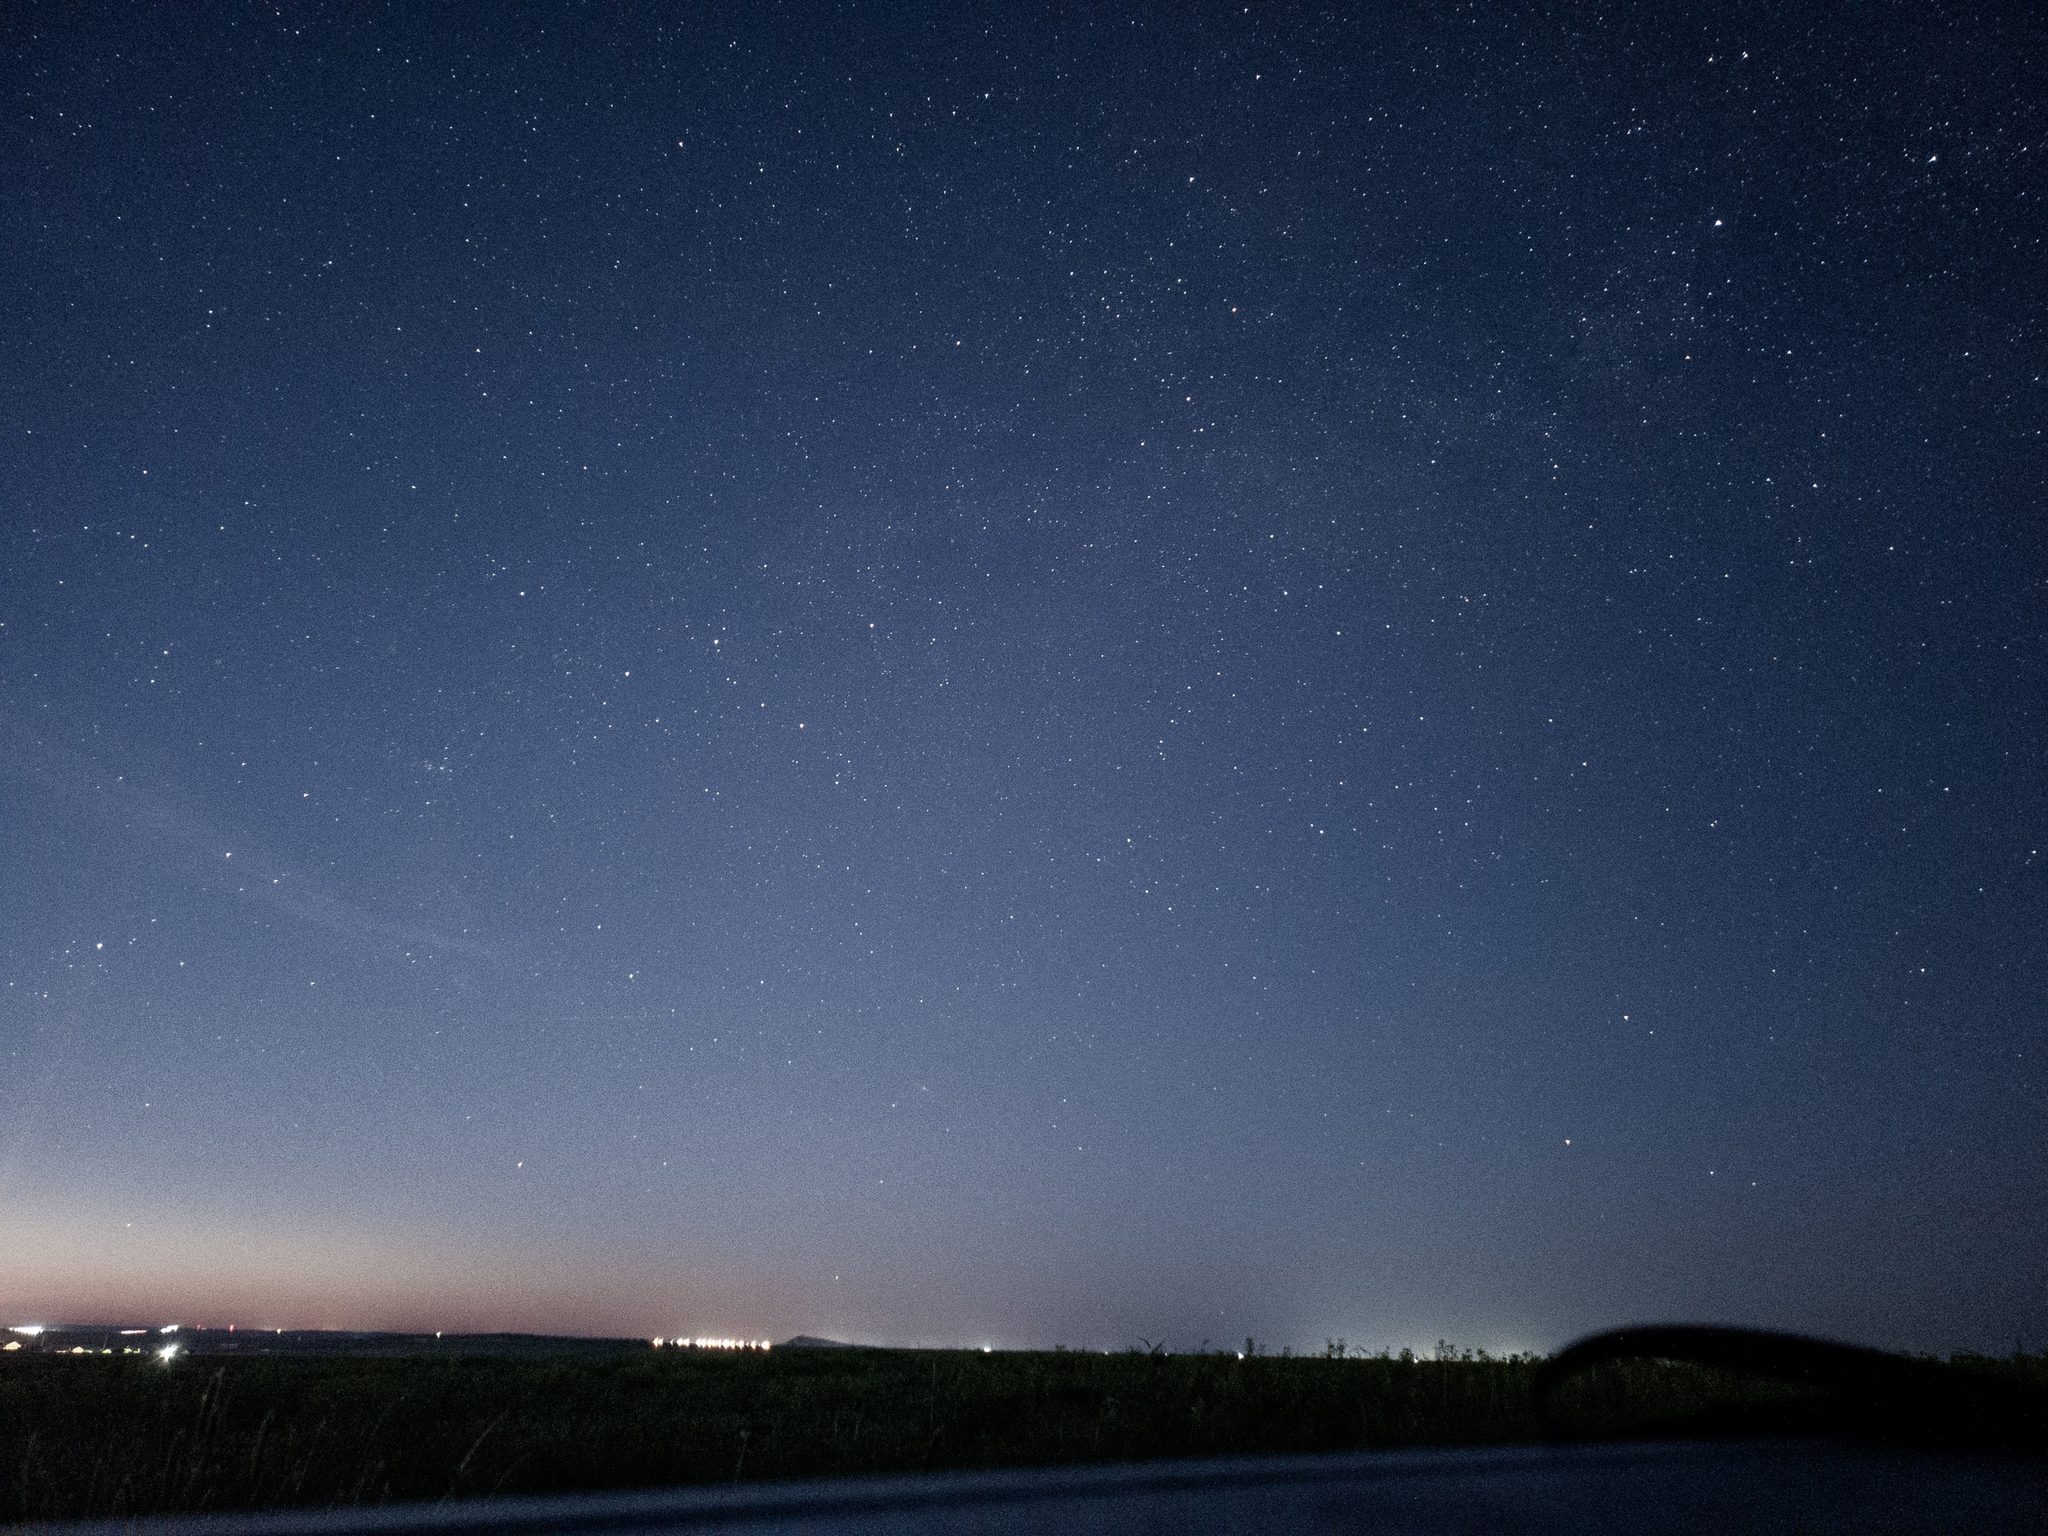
113	1436
123	1437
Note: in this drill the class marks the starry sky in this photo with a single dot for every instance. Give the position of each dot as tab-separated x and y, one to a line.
1025	675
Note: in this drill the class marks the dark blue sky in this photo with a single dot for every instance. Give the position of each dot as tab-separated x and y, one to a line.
1024	676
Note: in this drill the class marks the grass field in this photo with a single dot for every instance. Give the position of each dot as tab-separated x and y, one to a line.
100	1436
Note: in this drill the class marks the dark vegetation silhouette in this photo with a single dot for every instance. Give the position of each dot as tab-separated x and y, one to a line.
127	1436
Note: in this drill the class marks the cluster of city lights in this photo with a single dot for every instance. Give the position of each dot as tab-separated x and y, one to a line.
37	1330
713	1344
166	1354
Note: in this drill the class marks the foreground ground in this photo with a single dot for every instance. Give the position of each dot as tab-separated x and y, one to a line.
101	1436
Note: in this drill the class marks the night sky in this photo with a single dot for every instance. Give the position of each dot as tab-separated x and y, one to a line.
989	675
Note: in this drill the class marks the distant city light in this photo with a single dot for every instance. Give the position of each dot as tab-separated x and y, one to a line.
714	1343
31	1329
125	1332
168	1353
168	1328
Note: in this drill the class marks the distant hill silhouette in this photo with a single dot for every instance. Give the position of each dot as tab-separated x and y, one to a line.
805	1341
